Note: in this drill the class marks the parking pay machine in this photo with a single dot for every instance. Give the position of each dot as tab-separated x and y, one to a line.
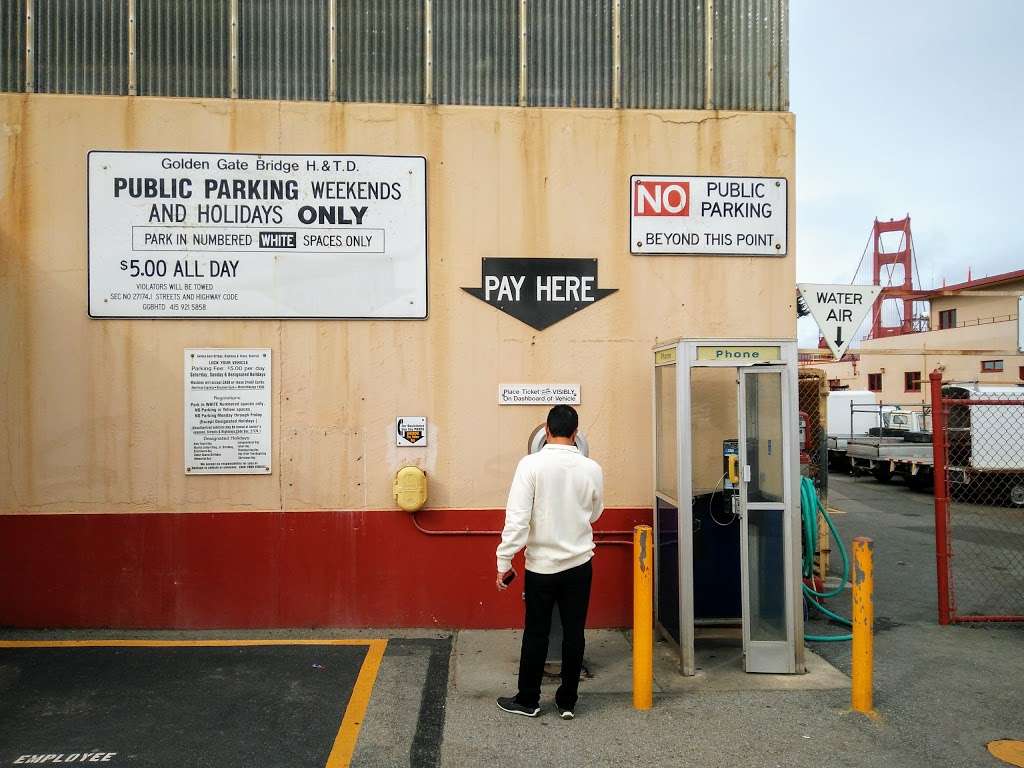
726	496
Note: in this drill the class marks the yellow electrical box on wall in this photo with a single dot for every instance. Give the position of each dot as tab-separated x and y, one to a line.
410	488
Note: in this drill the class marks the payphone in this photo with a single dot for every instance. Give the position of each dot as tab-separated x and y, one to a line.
538	439
726	498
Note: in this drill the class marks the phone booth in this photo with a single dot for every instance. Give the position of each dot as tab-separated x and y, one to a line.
726	498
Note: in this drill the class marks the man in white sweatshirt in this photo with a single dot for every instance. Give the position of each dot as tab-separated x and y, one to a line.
556	496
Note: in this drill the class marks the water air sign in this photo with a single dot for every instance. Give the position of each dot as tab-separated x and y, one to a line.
708	215
839	310
175	235
539	292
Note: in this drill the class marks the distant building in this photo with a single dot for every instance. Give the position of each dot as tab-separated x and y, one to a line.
972	334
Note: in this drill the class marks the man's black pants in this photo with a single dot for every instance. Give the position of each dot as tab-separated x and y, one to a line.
571	591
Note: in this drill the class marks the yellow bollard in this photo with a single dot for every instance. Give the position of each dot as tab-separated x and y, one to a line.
861	689
643	617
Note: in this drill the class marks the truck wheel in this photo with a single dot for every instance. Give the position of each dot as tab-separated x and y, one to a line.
1017	493
882	473
920	482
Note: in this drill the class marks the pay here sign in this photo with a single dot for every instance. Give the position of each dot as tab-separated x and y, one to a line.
713	215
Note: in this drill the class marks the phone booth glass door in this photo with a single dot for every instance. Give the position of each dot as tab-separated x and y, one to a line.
764	489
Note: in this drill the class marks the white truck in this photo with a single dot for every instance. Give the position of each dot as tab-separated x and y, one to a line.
985	444
985	447
857	414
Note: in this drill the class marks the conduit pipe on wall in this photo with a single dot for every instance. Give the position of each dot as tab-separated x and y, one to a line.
468	532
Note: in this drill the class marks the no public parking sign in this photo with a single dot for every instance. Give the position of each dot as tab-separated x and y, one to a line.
708	215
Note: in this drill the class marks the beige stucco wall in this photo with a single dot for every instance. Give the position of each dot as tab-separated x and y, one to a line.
91	410
972	308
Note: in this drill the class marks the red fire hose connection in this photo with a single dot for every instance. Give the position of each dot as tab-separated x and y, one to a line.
468	532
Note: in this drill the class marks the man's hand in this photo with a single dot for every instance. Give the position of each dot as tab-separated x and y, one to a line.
501	585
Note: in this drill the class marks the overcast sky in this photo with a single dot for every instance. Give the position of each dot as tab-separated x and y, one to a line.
908	106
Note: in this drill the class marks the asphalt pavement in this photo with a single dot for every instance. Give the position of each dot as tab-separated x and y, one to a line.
941	693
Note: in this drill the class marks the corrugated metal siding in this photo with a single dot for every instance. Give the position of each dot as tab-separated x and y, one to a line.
569	53
380	50
12	38
183	49
282	49
476	51
751	52
663	54
81	46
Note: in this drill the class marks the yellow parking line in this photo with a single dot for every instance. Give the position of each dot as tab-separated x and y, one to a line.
345	742
348	733
1008	750
114	643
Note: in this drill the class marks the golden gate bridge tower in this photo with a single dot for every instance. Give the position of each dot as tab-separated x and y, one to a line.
889	260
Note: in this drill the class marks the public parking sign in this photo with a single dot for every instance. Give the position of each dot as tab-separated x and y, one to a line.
708	215
213	235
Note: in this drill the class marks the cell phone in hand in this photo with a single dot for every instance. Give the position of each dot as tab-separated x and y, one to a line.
509	577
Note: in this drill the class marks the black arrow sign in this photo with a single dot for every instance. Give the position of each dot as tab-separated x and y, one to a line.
839	335
539	292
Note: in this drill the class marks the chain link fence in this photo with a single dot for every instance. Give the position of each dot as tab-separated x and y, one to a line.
979	501
813	404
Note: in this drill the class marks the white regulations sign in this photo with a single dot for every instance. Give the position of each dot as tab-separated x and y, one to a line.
838	310
197	235
538	394
227	411
708	215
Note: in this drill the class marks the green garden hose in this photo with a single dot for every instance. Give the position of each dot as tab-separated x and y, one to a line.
810	504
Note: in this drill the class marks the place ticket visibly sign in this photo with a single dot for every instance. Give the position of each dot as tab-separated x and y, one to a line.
191	234
227	411
539	394
711	215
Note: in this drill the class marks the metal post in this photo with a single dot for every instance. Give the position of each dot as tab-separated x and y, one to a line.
939	461
30	54
709	54
862	653
522	53
233	47
332	50
617	54
428	53
133	69
643	617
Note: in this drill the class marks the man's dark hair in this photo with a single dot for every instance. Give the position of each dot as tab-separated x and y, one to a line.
563	421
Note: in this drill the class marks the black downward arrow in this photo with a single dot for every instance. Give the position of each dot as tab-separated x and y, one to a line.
539	292
839	336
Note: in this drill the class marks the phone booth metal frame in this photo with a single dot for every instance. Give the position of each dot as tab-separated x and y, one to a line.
779	364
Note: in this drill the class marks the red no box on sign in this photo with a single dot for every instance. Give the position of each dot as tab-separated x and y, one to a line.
661	198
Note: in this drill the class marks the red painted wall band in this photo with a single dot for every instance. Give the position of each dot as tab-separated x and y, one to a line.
275	569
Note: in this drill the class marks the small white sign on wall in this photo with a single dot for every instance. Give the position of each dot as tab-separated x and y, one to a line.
411	431
538	394
227	411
